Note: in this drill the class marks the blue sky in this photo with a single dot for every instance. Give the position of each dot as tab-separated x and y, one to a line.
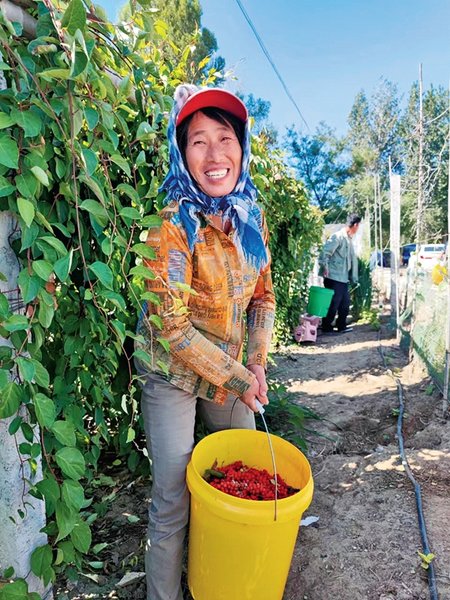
327	50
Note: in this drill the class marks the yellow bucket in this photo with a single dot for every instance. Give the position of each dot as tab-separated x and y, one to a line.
236	548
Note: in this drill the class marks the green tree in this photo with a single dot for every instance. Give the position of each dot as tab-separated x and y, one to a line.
436	123
320	162
184	29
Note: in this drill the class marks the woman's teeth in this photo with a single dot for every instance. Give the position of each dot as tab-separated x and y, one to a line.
216	174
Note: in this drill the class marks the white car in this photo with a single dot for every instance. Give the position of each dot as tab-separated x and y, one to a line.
427	256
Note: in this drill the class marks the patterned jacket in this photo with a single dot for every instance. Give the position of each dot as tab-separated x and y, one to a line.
208	300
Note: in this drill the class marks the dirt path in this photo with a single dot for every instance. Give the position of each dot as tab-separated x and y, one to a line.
364	545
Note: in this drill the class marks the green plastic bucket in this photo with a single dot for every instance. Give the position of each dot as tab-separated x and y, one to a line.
319	301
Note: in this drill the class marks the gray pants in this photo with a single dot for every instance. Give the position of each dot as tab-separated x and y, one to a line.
169	419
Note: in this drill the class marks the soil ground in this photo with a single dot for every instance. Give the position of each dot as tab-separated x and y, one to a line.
365	543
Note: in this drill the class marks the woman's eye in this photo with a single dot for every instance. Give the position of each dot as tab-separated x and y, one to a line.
197	142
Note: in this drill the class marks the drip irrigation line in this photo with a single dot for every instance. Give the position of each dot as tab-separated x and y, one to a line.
432	586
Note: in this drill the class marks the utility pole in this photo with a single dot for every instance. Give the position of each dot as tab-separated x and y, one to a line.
420	166
394	186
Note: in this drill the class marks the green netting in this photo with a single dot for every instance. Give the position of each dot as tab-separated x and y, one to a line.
424	321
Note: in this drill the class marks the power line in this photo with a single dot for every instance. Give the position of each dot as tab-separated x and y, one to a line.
269	58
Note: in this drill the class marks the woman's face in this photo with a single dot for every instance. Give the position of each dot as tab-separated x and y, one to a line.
213	155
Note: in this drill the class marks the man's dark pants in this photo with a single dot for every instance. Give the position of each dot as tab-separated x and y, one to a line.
340	304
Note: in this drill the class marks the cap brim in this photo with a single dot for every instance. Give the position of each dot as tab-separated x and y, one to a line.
214	98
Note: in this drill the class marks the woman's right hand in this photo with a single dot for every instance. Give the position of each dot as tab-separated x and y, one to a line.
249	397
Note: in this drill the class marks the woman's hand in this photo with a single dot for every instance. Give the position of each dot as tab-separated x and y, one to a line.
258	388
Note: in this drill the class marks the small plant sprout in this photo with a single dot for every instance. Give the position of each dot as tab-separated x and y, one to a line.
426	559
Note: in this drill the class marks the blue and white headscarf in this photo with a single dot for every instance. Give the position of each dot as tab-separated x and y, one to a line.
239	206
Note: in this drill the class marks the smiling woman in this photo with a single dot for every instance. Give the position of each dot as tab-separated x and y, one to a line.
214	285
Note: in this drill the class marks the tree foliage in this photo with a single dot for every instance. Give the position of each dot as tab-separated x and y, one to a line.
320	162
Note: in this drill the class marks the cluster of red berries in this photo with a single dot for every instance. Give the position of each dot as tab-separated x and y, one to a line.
250	483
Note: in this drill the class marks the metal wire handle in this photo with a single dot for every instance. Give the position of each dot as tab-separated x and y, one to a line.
261	411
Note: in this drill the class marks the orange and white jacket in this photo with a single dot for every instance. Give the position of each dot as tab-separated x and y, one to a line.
209	299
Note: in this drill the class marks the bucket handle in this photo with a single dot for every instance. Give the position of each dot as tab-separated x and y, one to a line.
261	411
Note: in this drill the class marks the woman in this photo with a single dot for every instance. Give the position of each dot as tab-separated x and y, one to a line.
213	285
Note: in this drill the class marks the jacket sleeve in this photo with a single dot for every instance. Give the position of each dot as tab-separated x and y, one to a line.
328	250
172	267
261	315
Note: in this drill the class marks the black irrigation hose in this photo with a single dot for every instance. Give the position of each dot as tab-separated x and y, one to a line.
423	530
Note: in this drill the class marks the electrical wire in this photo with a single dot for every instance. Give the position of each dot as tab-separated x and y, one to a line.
432	586
269	58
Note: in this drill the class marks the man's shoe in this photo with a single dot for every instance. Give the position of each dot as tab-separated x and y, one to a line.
346	330
327	331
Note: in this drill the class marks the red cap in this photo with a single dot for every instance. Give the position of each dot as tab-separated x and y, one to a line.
215	98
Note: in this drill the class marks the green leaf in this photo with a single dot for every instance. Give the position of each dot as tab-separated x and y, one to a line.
141	271
17	590
71	462
26	368
10	400
41	376
74	17
68	551
28	120
29	285
6	187
90	159
151	221
165	344
95	208
64	432
26	210
130	213
4	378
43	269
91	116
41	559
121	162
142	356
27	185
63	265
81	536
144	250
49	488
45	314
103	273
4	307
79	64
49	74
151	297
54	243
40	175
5	121
72	494
66	518
9	152
120	328
130	192
16	323
45	410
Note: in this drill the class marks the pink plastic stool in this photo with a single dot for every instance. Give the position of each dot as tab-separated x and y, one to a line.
306	331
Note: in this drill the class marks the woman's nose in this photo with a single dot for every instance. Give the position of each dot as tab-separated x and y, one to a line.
214	152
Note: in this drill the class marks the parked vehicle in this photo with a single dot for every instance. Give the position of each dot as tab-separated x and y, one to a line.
427	256
379	259
406	253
